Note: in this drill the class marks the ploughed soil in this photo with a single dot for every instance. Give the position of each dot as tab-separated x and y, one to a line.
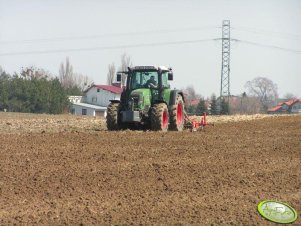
216	176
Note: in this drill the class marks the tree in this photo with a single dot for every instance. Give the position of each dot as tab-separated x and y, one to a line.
111	73
190	94
224	107
33	72
213	105
73	83
125	63
201	107
289	96
265	89
4	89
58	101
66	74
191	109
31	91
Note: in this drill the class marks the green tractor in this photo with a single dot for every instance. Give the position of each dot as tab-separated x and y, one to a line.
147	101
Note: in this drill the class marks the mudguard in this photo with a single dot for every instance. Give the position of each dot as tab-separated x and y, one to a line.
173	96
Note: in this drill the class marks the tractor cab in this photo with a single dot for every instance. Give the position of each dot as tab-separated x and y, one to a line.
145	85
147	77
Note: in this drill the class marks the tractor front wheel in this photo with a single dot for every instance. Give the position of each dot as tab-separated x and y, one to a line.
159	117
113	116
177	115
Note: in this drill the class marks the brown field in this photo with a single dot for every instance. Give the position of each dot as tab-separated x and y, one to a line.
67	170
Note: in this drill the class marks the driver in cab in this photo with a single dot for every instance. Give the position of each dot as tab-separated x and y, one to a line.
151	83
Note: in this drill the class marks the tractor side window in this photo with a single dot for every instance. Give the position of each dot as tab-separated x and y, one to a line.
135	81
165	80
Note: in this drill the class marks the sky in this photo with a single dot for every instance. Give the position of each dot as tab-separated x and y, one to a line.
175	33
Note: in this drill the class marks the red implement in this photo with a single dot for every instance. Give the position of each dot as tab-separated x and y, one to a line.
193	124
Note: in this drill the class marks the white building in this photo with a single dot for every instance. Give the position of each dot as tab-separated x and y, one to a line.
296	107
95	100
102	94
88	109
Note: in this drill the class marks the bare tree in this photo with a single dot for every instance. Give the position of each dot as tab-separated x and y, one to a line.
263	88
111	73
125	63
33	72
66	74
81	81
190	94
69	79
289	96
244	104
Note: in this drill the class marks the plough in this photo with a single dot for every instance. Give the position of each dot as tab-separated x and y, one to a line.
193	125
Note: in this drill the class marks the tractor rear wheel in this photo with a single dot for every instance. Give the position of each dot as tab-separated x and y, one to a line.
159	117
177	115
113	116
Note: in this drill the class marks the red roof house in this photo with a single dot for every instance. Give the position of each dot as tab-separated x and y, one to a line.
95	100
287	107
110	88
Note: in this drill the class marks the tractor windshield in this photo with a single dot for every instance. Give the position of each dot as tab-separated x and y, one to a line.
144	79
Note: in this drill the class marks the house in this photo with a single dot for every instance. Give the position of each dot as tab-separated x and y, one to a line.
288	107
88	109
95	100
296	107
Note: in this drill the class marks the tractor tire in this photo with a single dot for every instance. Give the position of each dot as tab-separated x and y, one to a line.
159	117
177	115
113	116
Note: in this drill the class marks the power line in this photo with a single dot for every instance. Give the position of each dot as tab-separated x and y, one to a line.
108	47
147	45
266	46
108	35
266	32
247	29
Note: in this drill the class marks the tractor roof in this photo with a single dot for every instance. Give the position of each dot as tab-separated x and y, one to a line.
156	68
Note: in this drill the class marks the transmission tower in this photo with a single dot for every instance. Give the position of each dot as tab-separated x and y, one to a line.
225	75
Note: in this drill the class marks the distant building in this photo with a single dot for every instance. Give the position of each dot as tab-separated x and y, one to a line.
287	107
101	95
88	109
95	100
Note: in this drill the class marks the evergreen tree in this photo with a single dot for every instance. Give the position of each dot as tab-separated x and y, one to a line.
35	94
213	105
201	107
73	91
58	98
4	90
224	107
191	109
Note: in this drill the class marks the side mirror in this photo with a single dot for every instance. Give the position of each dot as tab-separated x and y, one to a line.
170	76
118	78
